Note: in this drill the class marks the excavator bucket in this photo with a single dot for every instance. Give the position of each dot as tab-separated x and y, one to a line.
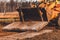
30	14
32	21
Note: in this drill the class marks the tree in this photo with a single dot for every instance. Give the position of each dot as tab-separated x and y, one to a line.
4	7
12	5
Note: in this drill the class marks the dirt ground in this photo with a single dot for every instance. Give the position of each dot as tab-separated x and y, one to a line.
55	35
2	33
50	36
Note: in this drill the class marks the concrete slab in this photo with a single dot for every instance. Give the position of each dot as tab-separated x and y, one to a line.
36	26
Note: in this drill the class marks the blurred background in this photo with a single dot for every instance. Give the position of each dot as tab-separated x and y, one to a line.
8	12
12	5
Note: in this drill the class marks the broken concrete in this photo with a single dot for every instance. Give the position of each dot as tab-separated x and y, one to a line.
35	26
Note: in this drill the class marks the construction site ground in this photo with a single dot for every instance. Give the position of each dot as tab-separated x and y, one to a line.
52	35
